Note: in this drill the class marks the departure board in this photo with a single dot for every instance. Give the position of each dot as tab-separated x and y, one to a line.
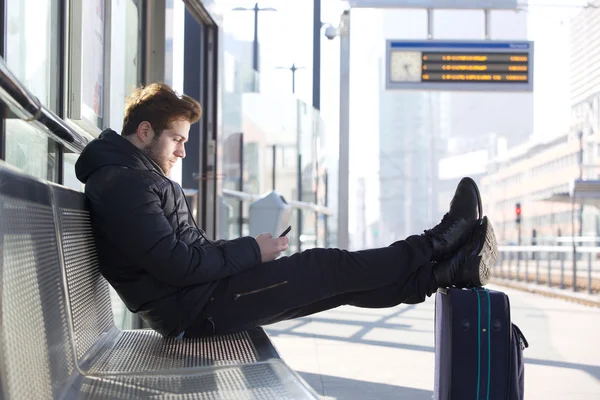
469	66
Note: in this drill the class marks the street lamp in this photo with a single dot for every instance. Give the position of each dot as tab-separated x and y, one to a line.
293	68
256	10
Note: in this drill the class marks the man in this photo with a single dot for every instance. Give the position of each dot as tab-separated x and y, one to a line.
184	285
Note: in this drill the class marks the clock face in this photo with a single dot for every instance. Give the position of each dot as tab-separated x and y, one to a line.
405	66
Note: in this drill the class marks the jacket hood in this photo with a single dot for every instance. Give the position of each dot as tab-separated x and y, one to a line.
110	148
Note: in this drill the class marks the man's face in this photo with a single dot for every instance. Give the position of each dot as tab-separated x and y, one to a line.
168	147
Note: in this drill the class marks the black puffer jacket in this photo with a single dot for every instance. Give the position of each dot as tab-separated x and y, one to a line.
149	247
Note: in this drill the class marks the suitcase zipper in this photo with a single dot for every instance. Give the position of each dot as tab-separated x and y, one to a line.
479	332
478	342
510	353
238	295
489	343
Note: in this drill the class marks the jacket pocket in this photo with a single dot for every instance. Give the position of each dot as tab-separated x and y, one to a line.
238	295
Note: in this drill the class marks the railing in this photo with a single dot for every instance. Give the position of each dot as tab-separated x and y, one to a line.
556	266
28	107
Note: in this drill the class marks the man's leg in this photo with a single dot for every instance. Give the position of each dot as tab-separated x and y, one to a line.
417	288
262	295
463	247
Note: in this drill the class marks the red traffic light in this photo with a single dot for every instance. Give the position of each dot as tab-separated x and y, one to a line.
518	210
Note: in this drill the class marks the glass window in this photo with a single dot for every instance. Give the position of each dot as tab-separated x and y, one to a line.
133	44
126	56
31	150
32	56
87	63
92	63
174	46
32	47
70	179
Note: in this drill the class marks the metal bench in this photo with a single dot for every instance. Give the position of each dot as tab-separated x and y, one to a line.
57	334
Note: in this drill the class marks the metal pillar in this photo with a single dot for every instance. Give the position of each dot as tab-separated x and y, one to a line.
344	145
487	21
274	171
255	64
241	187
429	23
316	80
574	277
299	229
300	219
326	204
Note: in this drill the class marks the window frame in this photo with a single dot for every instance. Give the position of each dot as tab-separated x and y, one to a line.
3	108
75	113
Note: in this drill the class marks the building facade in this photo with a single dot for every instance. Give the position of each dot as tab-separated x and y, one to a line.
531	174
536	173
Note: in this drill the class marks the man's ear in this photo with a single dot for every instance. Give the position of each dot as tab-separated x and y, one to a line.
145	132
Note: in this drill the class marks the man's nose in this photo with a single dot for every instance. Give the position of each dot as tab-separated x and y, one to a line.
180	152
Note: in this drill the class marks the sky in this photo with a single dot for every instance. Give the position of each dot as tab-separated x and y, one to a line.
286	37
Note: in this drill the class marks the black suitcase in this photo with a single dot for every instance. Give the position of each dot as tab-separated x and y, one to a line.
478	350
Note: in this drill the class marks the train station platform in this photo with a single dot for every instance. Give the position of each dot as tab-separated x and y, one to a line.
351	353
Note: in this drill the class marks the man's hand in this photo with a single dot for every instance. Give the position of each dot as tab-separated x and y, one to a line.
270	247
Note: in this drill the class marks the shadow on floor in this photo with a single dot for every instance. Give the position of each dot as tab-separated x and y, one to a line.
357	337
352	389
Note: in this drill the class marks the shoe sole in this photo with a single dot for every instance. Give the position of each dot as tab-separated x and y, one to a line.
479	204
480	266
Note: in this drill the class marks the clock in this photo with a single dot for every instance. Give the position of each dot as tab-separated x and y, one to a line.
405	66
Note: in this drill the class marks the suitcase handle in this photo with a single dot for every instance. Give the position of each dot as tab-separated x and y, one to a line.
525	343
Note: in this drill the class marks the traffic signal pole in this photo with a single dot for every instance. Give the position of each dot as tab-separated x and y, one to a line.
518	220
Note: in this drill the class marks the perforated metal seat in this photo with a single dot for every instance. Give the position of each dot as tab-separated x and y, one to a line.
57	335
146	351
134	350
36	357
267	380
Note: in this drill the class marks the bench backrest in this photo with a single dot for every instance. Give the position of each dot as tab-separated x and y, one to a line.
88	291
36	354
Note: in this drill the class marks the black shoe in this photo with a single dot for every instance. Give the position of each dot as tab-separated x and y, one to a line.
471	266
458	223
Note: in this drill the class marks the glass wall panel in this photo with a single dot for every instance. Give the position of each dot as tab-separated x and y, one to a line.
32	44
32	47
264	137
31	150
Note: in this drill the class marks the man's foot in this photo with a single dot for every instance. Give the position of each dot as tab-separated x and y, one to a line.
458	223
471	266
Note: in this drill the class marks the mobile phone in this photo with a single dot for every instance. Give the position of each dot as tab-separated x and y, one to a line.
289	228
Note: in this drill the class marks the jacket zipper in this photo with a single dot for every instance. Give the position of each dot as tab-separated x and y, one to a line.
238	295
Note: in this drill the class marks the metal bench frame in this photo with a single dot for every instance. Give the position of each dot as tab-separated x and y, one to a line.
57	334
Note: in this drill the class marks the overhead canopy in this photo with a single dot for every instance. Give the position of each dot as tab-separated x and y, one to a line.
585	192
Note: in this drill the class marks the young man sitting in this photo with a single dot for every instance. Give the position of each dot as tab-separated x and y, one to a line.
185	285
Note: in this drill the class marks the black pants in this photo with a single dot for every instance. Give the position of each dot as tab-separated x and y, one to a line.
316	280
